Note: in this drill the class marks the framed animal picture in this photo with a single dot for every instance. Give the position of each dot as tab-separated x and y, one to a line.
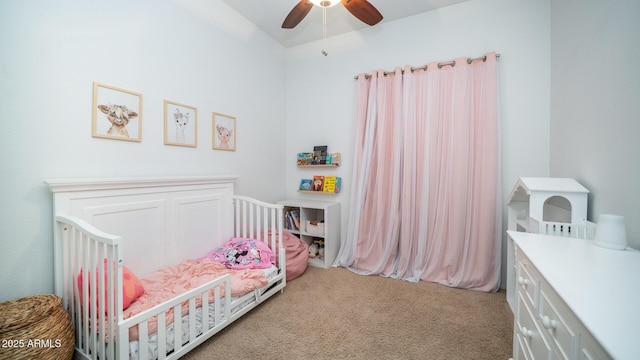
224	132
180	124
117	113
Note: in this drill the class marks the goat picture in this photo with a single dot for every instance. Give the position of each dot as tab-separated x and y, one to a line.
119	117
117	113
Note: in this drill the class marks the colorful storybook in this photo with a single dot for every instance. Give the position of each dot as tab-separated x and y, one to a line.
332	184
305	158
318	183
320	154
305	184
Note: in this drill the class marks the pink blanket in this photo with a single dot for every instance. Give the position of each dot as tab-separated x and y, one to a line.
162	285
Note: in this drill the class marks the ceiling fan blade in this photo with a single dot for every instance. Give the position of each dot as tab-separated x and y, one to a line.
363	10
297	14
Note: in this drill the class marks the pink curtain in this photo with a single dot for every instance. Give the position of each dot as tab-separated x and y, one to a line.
425	204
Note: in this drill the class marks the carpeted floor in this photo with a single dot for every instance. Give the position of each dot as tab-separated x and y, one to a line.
336	314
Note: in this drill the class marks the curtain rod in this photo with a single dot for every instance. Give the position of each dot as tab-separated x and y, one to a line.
440	65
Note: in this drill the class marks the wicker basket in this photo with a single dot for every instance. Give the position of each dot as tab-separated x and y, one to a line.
35	327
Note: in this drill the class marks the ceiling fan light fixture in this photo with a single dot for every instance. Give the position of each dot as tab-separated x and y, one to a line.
325	3
362	9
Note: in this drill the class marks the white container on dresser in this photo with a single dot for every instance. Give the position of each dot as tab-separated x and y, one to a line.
574	300
552	206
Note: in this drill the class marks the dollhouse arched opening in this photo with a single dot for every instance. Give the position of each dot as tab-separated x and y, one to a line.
557	208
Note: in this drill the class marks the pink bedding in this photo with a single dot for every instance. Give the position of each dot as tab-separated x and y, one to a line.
164	284
243	253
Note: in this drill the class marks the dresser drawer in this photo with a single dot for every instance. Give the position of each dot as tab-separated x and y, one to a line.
528	282
521	350
589	349
561	332
533	342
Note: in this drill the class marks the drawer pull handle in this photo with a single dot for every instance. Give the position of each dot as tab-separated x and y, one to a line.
526	332
522	281
548	323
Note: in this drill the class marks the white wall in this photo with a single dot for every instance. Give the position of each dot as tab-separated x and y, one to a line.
595	112
196	52
320	90
203	54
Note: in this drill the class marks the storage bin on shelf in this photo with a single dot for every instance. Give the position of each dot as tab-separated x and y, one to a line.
35	327
315	228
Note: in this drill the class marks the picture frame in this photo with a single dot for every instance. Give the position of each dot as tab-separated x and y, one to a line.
224	132
117	113
180	124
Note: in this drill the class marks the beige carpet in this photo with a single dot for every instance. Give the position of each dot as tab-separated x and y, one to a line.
336	314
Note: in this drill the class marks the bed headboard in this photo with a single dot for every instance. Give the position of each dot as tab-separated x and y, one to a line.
161	220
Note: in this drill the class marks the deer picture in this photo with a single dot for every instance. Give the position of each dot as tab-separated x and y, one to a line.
182	120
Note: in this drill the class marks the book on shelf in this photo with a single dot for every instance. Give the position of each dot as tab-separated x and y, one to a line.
305	184
318	183
332	184
320	154
329	184
305	158
292	219
335	158
296	218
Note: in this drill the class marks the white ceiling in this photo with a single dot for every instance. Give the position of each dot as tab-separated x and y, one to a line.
268	15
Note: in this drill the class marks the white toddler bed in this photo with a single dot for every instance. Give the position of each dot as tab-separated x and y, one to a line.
158	222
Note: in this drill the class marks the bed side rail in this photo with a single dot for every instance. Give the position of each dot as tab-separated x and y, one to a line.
253	217
209	296
256	219
88	278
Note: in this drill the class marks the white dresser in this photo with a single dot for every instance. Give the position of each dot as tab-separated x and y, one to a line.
574	300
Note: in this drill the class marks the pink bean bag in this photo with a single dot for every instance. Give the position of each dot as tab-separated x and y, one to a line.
297	254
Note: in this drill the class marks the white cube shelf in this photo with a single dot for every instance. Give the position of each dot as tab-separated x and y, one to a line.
326	215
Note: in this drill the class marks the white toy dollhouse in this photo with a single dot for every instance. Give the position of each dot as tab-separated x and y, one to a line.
551	206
